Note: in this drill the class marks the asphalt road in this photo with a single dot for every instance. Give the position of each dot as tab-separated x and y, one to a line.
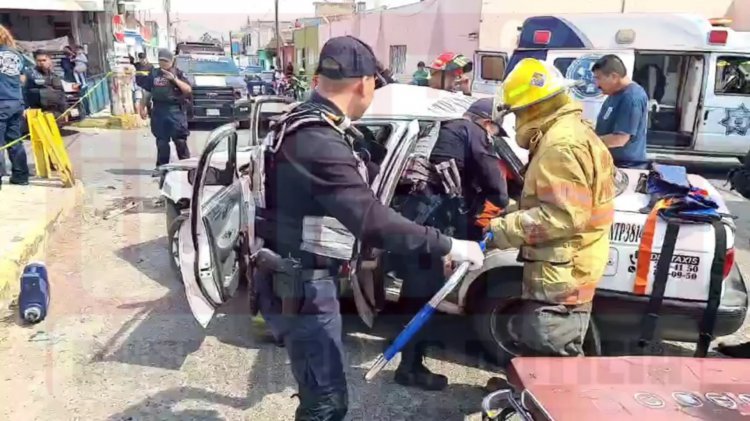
120	343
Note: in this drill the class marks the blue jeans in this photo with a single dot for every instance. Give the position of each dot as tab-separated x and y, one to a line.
169	123
11	117
313	342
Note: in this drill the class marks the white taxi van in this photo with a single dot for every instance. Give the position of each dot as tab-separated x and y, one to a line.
214	193
696	74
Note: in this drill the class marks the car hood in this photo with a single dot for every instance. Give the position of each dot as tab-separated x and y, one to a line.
214	80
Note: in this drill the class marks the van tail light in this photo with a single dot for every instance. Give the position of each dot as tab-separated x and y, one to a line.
718	37
542	37
728	263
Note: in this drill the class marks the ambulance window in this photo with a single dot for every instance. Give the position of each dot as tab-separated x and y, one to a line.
563	63
493	67
732	75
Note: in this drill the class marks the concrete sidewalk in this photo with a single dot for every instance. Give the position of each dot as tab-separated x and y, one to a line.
29	214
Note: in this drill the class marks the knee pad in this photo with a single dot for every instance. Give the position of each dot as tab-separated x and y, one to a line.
328	406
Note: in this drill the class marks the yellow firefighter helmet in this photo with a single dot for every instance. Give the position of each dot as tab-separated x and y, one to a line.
530	82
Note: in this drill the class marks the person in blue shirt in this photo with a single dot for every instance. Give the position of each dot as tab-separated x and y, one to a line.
12	68
623	119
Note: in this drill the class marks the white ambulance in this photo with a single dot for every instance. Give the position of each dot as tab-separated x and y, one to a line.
696	74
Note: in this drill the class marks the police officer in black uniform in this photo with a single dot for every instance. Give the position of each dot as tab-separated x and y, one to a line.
44	89
465	144
316	199
168	89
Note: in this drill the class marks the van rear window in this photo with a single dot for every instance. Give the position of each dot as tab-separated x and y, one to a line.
493	68
732	75
563	63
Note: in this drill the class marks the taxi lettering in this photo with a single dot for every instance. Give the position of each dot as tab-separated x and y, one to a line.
682	266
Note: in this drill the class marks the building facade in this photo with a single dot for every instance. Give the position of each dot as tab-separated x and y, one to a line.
306	49
403	36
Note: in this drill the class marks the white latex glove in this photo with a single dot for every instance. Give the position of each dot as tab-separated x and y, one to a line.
466	251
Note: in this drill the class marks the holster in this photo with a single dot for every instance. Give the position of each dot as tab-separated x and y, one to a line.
286	277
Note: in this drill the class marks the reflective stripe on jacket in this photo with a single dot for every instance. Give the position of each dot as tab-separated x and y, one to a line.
566	209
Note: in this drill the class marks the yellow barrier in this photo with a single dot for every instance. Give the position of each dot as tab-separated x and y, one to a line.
48	147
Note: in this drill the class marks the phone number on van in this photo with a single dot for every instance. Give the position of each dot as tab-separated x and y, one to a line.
682	266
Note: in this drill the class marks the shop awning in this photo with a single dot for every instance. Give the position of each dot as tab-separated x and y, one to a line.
57	5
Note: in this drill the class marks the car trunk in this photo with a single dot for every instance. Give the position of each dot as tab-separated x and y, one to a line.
693	253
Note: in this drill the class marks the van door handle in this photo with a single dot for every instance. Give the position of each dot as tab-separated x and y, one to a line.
705	116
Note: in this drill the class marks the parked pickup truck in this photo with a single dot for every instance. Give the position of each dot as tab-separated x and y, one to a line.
219	90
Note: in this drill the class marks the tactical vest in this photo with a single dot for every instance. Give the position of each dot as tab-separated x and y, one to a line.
321	235
165	92
42	94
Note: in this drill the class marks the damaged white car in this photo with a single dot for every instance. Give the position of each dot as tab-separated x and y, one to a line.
213	194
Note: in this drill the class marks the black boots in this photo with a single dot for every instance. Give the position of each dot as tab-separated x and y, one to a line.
412	372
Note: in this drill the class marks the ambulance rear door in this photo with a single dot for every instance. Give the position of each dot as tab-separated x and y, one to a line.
489	70
724	125
577	64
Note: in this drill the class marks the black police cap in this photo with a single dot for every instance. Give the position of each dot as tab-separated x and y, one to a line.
347	57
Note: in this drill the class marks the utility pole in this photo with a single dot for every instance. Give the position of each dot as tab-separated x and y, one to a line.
278	35
167	11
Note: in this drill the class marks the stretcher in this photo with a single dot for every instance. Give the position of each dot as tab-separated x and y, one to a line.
623	388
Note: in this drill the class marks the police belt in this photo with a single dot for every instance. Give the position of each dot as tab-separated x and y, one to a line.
169	104
268	261
287	278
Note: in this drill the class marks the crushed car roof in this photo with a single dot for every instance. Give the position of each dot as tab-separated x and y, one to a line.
399	100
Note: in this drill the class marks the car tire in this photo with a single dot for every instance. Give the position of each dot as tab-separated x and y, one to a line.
173	233
172	211
504	298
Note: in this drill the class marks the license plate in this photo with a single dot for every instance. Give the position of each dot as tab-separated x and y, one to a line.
213	112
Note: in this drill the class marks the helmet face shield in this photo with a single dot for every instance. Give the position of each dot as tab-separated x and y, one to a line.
499	108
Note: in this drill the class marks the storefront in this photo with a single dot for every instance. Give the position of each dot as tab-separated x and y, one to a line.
132	37
74	21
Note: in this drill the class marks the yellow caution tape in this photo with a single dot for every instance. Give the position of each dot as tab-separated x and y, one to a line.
64	114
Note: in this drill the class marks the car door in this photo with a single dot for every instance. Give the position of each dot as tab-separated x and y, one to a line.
369	279
399	149
489	69
209	243
265	109
576	65
724	125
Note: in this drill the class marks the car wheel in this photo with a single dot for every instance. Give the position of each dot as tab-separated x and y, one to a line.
494	311
174	244
172	211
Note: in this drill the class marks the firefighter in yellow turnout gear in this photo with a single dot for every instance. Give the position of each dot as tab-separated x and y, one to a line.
565	211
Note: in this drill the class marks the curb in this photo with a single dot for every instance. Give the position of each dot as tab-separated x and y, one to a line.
12	265
123	122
